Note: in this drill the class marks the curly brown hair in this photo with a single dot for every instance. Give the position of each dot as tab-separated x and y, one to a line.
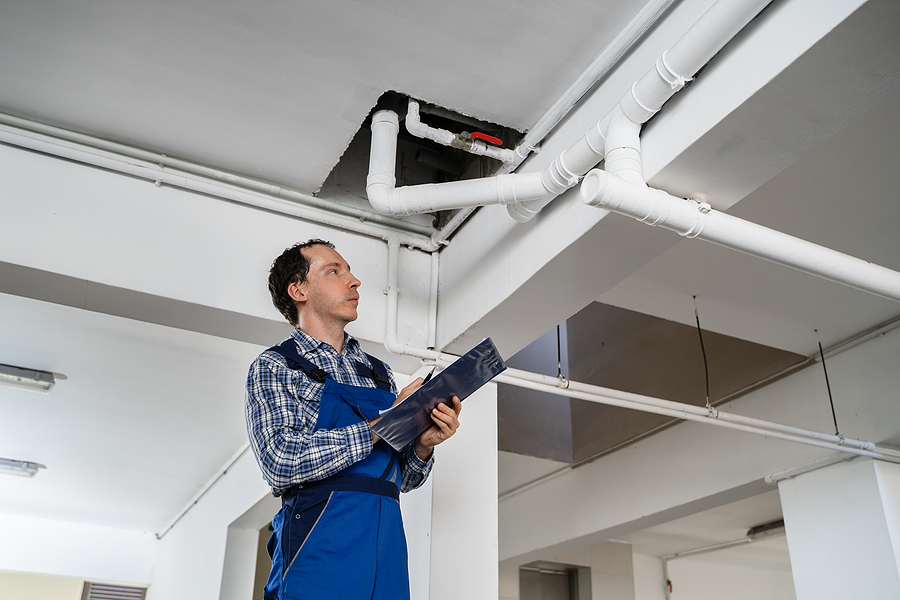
290	267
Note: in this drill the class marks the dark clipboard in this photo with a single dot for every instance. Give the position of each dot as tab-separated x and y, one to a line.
405	421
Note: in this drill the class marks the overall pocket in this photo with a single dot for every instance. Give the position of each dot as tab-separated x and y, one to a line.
302	513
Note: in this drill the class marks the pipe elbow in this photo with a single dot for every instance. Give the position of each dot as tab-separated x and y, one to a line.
380	195
391	344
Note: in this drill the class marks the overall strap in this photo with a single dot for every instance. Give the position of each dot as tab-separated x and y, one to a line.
288	350
378	372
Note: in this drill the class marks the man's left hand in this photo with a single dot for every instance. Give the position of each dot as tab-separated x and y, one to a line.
446	422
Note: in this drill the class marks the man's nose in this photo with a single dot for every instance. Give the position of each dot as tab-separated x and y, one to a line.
354	282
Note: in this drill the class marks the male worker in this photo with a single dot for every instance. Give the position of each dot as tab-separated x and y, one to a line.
311	402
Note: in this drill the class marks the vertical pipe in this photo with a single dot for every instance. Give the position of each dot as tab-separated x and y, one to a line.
433	301
393	289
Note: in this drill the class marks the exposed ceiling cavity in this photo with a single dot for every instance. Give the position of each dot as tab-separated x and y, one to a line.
419	160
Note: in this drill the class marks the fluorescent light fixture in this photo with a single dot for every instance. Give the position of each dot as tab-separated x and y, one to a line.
22	468
26	379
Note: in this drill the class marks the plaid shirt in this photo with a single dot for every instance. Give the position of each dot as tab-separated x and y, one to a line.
281	408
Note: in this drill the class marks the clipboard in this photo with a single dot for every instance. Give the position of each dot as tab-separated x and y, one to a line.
402	423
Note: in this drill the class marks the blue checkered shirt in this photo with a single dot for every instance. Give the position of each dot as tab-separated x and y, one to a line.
281	408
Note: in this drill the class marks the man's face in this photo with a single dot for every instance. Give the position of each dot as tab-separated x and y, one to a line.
330	287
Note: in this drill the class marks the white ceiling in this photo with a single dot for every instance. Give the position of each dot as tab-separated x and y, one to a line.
276	90
147	415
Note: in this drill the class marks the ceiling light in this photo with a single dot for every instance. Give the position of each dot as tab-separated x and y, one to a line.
22	468
26	379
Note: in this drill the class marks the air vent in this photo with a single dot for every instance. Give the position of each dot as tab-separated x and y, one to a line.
104	591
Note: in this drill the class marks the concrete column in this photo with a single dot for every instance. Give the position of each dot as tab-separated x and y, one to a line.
843	530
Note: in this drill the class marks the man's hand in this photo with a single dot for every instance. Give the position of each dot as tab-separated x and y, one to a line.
404	394
446	422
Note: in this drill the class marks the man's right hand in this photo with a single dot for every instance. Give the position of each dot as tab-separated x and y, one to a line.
404	394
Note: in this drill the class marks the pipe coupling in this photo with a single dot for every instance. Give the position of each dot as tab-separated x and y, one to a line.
521	213
634	109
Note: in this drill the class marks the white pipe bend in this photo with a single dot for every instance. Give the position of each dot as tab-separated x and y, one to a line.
431	197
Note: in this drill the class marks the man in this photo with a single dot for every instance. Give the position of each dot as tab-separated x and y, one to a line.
311	402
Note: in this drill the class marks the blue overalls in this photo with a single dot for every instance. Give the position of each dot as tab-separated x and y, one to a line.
342	537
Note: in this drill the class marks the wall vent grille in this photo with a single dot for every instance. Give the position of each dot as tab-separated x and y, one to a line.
104	591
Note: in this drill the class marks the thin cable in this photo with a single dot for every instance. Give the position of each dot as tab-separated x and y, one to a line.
703	350
828	385
558	354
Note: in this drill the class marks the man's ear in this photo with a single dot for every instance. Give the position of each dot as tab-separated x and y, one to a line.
297	292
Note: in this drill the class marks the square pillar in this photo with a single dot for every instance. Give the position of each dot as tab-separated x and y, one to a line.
843	530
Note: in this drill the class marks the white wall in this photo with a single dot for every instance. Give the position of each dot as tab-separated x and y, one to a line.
79	550
27	586
464	547
693	579
649	579
837	531
191	555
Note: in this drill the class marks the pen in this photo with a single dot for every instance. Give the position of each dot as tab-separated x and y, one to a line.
429	376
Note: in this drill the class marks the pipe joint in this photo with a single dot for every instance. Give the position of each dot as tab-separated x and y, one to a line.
557	178
521	213
596	140
667	74
634	109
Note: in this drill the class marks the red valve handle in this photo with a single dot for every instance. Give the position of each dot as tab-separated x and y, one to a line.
487	138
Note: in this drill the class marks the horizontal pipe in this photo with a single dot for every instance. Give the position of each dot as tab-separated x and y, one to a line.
416	127
592	393
160	175
206	487
683	412
184	166
699	220
672	70
441	237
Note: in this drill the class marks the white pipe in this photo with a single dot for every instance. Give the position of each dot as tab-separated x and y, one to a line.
387	199
690	219
416	127
672	70
160	175
431	339
526	194
600	67
440	238
164	161
208	486
774	478
592	393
